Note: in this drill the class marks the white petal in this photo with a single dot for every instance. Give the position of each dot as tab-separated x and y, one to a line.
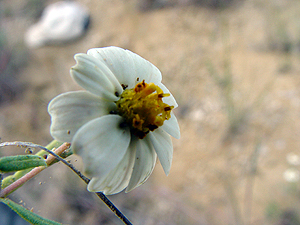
118	178
118	61
71	110
171	126
128	67
163	146
145	70
95	76
170	100
144	163
101	143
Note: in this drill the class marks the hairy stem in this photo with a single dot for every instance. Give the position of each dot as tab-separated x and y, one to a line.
17	175
51	158
18	183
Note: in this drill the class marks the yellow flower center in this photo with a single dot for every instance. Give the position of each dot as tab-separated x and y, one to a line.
143	108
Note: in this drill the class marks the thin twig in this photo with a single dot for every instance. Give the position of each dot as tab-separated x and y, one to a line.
15	185
253	163
102	196
113	208
1	178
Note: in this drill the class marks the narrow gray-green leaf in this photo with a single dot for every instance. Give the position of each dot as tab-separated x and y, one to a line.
20	162
26	214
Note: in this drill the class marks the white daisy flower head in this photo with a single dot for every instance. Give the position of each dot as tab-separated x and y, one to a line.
120	123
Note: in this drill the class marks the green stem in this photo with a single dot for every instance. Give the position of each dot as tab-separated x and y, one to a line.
17	175
102	196
33	172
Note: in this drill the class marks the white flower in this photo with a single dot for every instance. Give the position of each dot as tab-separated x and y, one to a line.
121	123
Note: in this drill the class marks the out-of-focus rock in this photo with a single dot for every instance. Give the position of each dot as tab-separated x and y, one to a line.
60	22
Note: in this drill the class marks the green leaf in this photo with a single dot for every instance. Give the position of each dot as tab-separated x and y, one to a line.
26	214
17	175
20	162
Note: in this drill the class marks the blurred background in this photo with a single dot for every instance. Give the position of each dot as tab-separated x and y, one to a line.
233	67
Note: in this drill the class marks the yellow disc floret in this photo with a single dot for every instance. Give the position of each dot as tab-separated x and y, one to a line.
143	108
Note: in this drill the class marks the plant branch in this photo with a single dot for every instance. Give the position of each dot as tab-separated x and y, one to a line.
102	196
17	175
18	183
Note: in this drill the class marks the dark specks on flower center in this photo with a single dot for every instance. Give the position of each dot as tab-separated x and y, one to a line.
143	109
168	108
124	86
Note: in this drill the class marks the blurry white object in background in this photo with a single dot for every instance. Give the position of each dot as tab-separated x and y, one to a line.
60	22
197	115
293	159
291	175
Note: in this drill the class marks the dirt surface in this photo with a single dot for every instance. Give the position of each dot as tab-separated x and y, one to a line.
234	72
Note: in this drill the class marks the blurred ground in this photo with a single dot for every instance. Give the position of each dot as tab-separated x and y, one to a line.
234	70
